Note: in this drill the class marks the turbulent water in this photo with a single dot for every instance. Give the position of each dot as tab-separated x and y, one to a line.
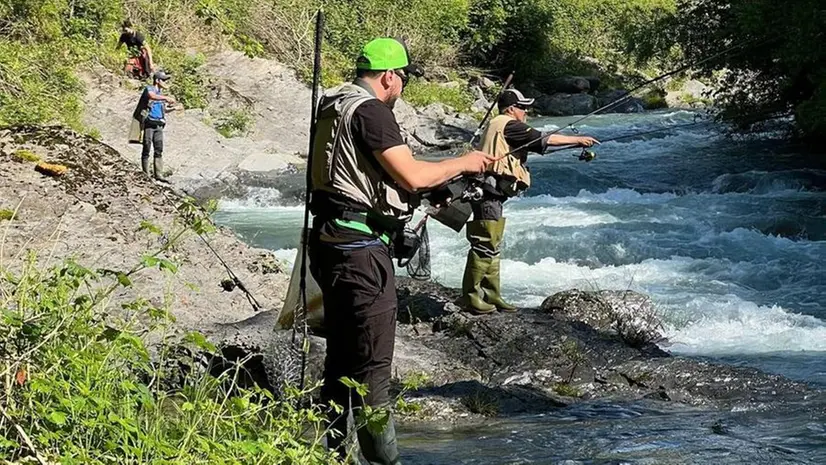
727	237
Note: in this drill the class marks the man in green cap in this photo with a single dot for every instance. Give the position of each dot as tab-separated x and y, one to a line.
363	192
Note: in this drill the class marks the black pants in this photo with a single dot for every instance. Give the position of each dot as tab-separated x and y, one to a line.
152	136
489	208
359	294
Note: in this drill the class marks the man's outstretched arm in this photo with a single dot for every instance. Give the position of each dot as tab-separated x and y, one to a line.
414	175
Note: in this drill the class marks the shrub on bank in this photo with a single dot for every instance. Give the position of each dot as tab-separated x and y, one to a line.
45	41
79	382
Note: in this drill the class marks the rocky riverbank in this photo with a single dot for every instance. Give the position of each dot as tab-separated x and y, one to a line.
578	346
205	163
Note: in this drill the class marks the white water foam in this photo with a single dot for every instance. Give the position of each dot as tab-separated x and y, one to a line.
700	254
256	198
611	196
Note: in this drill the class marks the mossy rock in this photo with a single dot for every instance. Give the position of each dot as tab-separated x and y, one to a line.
27	155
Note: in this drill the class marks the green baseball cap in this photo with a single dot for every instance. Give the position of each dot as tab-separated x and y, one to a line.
382	54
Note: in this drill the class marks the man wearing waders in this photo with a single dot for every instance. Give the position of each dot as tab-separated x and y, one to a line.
364	180
154	123
507	177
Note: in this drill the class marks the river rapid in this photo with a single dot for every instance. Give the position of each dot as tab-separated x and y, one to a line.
727	236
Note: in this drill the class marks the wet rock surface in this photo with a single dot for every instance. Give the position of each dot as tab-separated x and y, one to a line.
569	350
574	348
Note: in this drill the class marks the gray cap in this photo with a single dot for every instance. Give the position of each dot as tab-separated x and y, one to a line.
160	76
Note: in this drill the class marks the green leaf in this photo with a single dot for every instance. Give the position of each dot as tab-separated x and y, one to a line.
200	341
377	420
360	388
148	226
187	407
167	265
123	279
150	261
8	443
58	418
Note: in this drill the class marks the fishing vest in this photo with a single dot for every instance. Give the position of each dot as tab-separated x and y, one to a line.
339	168
512	176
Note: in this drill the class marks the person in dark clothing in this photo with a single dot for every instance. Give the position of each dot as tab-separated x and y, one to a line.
140	62
154	123
362	193
507	177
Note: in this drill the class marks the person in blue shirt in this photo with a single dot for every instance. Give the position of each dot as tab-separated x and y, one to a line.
154	123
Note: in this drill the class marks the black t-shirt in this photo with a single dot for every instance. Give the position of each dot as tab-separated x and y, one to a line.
374	128
518	134
133	41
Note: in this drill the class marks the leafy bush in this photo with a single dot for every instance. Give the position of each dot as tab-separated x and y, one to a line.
38	84
774	71
235	123
422	93
80	384
188	83
543	39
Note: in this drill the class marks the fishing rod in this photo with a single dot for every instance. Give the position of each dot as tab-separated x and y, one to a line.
478	131
630	93
419	230
305	233
588	155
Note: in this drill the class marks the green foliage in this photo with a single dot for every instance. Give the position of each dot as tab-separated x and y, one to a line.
565	389
481	402
654	100
79	383
235	123
776	70
570	349
422	93
26	155
37	84
412	382
188	83
6	214
541	39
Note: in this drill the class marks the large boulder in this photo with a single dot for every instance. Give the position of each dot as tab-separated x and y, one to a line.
476	92
480	105
570	85
691	94
565	104
485	83
629	105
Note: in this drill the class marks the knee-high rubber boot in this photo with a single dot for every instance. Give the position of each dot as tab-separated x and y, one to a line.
145	166
380	448
478	261
159	169
491	282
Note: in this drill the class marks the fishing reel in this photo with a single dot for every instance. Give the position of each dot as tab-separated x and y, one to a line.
473	193
586	155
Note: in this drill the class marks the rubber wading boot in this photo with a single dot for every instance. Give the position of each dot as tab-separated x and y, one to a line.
491	282
145	166
159	169
380	447
479	259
